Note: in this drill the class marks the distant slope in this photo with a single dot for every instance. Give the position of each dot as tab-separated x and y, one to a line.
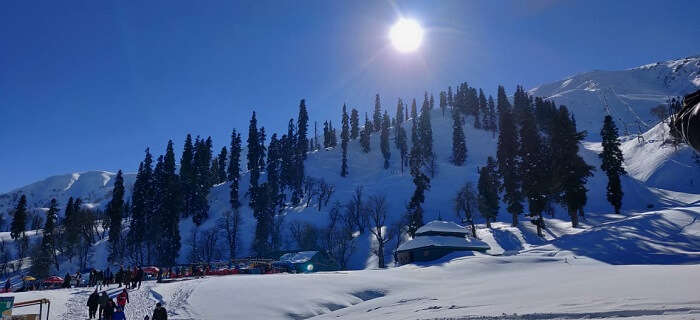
629	94
93	187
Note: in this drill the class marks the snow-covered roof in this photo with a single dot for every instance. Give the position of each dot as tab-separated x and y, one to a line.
445	242
436	226
298	257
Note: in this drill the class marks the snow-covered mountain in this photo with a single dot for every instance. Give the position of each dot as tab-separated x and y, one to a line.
627	95
660	175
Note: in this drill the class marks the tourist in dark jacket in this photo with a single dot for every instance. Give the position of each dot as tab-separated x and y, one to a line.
159	313
102	302
109	310
92	303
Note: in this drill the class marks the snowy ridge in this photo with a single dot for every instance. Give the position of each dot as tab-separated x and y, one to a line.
627	95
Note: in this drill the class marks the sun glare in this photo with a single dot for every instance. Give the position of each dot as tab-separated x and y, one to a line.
406	35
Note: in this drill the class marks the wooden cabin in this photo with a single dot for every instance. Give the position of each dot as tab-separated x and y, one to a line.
436	239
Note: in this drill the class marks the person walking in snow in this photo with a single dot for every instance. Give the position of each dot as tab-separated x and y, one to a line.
123	298
139	276
92	303
109	310
159	313
8	285
102	303
119	276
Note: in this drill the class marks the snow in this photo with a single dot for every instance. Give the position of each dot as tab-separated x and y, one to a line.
443	241
641	263
438	226
549	284
627	95
299	257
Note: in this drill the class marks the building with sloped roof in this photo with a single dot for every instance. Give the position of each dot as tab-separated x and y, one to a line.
437	239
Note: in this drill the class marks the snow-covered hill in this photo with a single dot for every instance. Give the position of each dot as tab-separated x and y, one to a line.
627	95
660	175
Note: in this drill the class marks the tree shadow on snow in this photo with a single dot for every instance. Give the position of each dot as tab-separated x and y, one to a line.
645	239
507	240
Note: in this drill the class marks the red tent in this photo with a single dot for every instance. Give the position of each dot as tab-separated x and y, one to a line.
151	270
54	280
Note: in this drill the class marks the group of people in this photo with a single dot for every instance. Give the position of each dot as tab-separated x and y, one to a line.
102	307
131	278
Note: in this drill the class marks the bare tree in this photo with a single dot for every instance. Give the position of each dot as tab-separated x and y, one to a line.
356	211
22	249
305	235
310	189
465	205
230	224
194	246
377	208
209	245
325	191
339	240
5	257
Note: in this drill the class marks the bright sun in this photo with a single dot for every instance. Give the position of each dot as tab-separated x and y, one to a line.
406	35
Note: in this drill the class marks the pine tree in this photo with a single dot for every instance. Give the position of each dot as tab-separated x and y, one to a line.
443	102
19	219
354	124
414	110
365	135
115	212
402	141
187	176
491	116
141	206
612	162
521	104
302	129
274	157
50	229
326	135
488	186
168	209
484	111
234	169
253	159
399	113
459	146
569	171
384	140
203	180
71	230
426	137
288	175
450	98
377	116
422	182
221	159
344	137
432	102
534	170
507	154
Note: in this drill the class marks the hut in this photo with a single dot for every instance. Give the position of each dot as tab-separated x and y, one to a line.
435	240
308	261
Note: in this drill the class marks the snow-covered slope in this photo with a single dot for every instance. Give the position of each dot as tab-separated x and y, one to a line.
660	176
533	285
93	187
628	94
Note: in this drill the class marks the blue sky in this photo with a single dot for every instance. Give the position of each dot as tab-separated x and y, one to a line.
88	85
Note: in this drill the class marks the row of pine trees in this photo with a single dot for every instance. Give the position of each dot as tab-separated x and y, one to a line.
536	164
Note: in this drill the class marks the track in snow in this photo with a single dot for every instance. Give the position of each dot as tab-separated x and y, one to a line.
142	301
